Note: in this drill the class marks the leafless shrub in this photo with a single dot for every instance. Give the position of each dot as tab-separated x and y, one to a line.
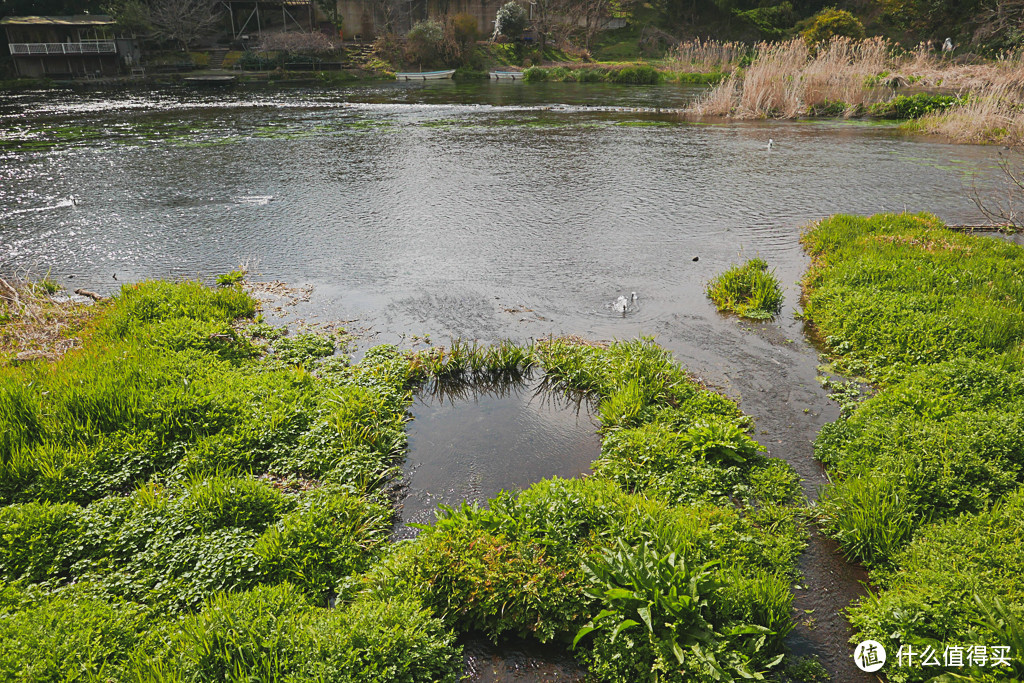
297	41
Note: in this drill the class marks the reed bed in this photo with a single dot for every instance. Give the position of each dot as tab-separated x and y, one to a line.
991	114
790	79
706	55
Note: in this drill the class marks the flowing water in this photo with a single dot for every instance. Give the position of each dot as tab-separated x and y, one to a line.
483	211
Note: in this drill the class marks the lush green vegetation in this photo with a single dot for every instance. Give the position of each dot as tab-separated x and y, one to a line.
928	471
639	74
680	492
750	291
185	496
177	456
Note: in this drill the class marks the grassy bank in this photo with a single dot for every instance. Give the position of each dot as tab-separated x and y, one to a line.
928	472
185	494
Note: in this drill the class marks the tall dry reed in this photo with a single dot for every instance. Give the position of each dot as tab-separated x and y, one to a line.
993	113
705	56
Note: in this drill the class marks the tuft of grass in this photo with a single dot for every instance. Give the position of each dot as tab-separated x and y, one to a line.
749	291
231	278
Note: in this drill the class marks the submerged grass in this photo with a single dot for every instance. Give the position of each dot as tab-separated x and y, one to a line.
928	472
749	291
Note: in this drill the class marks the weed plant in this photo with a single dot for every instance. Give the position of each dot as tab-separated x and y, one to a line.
749	291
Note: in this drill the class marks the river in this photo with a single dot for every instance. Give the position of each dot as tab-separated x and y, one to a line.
482	211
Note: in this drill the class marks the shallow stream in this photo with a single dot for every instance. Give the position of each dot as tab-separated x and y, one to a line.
482	211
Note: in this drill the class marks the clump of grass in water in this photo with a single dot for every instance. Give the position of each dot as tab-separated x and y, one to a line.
750	291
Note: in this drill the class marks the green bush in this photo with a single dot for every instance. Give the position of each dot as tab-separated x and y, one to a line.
750	291
424	42
830	23
915	106
641	74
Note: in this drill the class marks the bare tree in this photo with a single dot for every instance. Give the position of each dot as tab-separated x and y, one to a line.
589	16
183	21
1002	206
548	16
998	18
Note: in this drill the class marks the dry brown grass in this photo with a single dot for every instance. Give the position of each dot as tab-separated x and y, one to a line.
993	113
787	80
36	325
705	56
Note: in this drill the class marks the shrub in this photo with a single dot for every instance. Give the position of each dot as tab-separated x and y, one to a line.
830	23
423	41
488	582
916	105
464	30
511	20
272	634
750	291
331	536
642	74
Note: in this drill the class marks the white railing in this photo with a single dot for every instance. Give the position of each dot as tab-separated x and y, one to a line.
86	47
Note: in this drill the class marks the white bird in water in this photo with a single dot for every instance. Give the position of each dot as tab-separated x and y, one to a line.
622	304
771	143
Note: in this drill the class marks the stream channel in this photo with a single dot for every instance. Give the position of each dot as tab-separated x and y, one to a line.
483	211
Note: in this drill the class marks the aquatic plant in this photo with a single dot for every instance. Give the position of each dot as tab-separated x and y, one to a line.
750	291
231	278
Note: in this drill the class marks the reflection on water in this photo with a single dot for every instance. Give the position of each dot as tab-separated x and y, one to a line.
471	439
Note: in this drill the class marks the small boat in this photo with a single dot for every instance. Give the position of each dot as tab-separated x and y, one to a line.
510	75
424	75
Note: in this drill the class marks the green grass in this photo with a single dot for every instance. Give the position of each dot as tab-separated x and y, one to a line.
183	497
928	470
633	74
676	459
749	291
895	291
